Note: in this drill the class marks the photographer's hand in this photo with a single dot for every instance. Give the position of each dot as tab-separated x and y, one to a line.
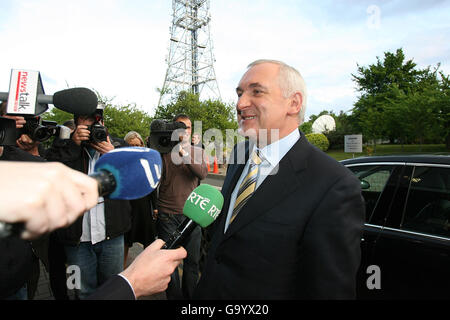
20	121
81	134
104	146
27	144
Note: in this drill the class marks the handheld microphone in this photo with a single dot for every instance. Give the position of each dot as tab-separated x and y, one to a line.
202	207
81	101
126	174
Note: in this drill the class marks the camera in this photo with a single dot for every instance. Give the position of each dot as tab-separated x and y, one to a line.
34	127
7	132
36	130
161	135
98	133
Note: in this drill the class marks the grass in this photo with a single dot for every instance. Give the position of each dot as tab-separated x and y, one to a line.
391	149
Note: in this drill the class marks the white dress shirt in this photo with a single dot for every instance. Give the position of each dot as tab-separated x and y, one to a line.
94	229
271	156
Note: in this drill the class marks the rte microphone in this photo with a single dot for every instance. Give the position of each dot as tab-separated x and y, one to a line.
202	207
126	174
81	101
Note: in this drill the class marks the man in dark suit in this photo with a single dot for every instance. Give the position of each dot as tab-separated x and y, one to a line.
292	219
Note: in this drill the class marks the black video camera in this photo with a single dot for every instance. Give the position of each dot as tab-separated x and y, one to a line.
34	127
162	136
98	133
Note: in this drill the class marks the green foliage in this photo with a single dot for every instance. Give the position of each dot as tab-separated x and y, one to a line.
319	140
122	119
306	127
57	115
402	103
211	113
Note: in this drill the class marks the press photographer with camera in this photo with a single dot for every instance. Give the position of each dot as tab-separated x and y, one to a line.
95	242
183	167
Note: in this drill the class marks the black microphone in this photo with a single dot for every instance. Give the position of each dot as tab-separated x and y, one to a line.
201	208
81	101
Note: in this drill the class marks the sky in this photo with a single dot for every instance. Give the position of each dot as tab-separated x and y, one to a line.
119	47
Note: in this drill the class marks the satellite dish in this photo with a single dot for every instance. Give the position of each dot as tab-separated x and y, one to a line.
323	124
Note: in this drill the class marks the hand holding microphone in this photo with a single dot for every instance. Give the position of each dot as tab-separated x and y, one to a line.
202	207
56	195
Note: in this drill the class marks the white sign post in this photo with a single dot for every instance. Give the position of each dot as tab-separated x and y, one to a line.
353	143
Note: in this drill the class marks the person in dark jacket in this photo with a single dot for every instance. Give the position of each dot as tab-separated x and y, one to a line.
143	229
19	259
95	242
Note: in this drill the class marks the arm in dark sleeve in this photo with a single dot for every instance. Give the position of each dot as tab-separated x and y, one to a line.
115	288
331	246
65	151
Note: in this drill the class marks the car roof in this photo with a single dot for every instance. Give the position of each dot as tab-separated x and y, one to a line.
413	158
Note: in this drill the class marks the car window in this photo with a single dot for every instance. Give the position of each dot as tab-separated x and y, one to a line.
373	180
428	206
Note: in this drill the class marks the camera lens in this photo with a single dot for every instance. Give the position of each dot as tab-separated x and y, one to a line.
41	134
164	141
100	136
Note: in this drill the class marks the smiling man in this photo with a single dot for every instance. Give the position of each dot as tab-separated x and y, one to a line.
292	230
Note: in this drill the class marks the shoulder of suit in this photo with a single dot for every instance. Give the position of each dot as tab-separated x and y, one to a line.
324	162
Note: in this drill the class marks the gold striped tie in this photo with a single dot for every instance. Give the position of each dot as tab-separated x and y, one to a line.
247	186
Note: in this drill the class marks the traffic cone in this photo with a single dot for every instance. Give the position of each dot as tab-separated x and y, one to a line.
216	168
207	164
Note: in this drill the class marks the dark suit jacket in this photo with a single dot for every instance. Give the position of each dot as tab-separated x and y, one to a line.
115	288
298	236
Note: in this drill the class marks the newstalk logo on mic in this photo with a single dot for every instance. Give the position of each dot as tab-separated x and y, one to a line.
23	92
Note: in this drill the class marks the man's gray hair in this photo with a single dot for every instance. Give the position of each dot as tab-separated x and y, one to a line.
290	80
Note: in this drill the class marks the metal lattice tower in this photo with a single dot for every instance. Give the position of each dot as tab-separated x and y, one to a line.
190	60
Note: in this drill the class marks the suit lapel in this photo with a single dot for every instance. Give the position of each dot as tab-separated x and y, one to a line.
274	188
234	171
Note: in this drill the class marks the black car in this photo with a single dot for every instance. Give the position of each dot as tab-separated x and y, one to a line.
406	241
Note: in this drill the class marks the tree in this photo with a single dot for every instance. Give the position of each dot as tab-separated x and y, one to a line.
399	101
213	114
57	115
306	127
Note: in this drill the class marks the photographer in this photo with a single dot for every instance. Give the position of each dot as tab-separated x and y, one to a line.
95	242
183	168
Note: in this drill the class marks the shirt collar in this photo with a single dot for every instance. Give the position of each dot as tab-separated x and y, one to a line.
274	152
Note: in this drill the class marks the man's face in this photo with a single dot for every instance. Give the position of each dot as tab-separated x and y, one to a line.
187	132
260	104
85	120
195	139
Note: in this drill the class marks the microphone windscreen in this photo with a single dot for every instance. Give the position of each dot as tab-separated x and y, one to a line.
137	171
79	101
203	205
